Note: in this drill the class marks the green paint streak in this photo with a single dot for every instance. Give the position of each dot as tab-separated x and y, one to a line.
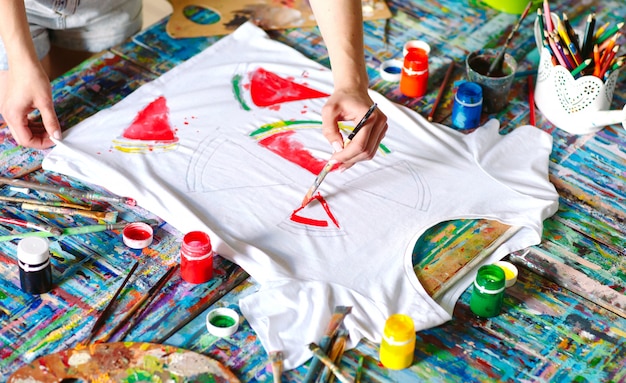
594	362
236	81
281	124
385	149
8	153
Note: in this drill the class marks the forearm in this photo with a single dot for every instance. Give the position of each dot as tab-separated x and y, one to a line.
341	25
15	33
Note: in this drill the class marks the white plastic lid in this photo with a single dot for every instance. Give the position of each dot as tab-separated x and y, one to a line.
137	235
391	70
222	322
33	250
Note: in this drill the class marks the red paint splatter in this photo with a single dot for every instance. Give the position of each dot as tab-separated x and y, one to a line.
267	88
151	123
284	145
295	217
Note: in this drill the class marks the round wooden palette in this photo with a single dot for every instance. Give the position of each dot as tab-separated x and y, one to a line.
124	362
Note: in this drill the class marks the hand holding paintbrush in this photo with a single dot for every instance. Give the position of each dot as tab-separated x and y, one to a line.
330	164
496	65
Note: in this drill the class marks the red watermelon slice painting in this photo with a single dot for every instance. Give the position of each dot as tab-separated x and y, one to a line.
150	130
269	89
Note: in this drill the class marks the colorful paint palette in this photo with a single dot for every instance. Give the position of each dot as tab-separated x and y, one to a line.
124	362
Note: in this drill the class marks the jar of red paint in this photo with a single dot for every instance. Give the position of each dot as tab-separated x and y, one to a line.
196	257
414	78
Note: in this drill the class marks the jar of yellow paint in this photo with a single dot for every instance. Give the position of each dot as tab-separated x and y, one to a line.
398	344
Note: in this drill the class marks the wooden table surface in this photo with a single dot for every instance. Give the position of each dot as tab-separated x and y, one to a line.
565	319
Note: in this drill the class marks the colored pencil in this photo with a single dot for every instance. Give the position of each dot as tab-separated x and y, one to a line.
321	356
596	60
442	88
336	319
609	32
531	100
547	16
570	31
32	225
600	31
542	24
103	315
581	67
564	52
557	53
496	64
608	60
588	37
618	64
139	308
73	230
67	191
331	163
276	359
607	45
569	43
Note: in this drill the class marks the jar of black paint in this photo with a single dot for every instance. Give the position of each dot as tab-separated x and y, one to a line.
33	257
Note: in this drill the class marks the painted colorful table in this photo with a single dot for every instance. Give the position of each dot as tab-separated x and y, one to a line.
563	321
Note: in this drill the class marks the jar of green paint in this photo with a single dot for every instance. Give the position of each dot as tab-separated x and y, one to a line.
488	291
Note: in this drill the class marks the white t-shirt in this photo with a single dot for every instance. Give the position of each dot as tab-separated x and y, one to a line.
243	148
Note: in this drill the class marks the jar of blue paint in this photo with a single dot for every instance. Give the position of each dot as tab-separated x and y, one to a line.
488	291
467	107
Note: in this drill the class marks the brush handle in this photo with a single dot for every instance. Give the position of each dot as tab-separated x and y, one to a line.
103	215
67	191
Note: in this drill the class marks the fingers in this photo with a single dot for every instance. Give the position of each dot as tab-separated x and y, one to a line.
50	121
365	143
30	134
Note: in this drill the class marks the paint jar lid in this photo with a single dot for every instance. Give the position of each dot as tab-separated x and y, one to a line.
510	272
415	44
222	322
391	70
33	250
137	235
399	330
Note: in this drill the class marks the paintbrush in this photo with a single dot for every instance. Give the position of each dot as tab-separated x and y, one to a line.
336	319
67	191
359	369
446	78
135	313
103	315
32	225
321	356
106	216
74	230
276	358
331	163
496	65
335	354
45	203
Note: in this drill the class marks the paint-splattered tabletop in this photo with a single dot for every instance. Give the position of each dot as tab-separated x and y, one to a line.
564	320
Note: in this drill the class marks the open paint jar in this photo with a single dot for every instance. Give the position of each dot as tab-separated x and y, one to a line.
222	322
488	291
